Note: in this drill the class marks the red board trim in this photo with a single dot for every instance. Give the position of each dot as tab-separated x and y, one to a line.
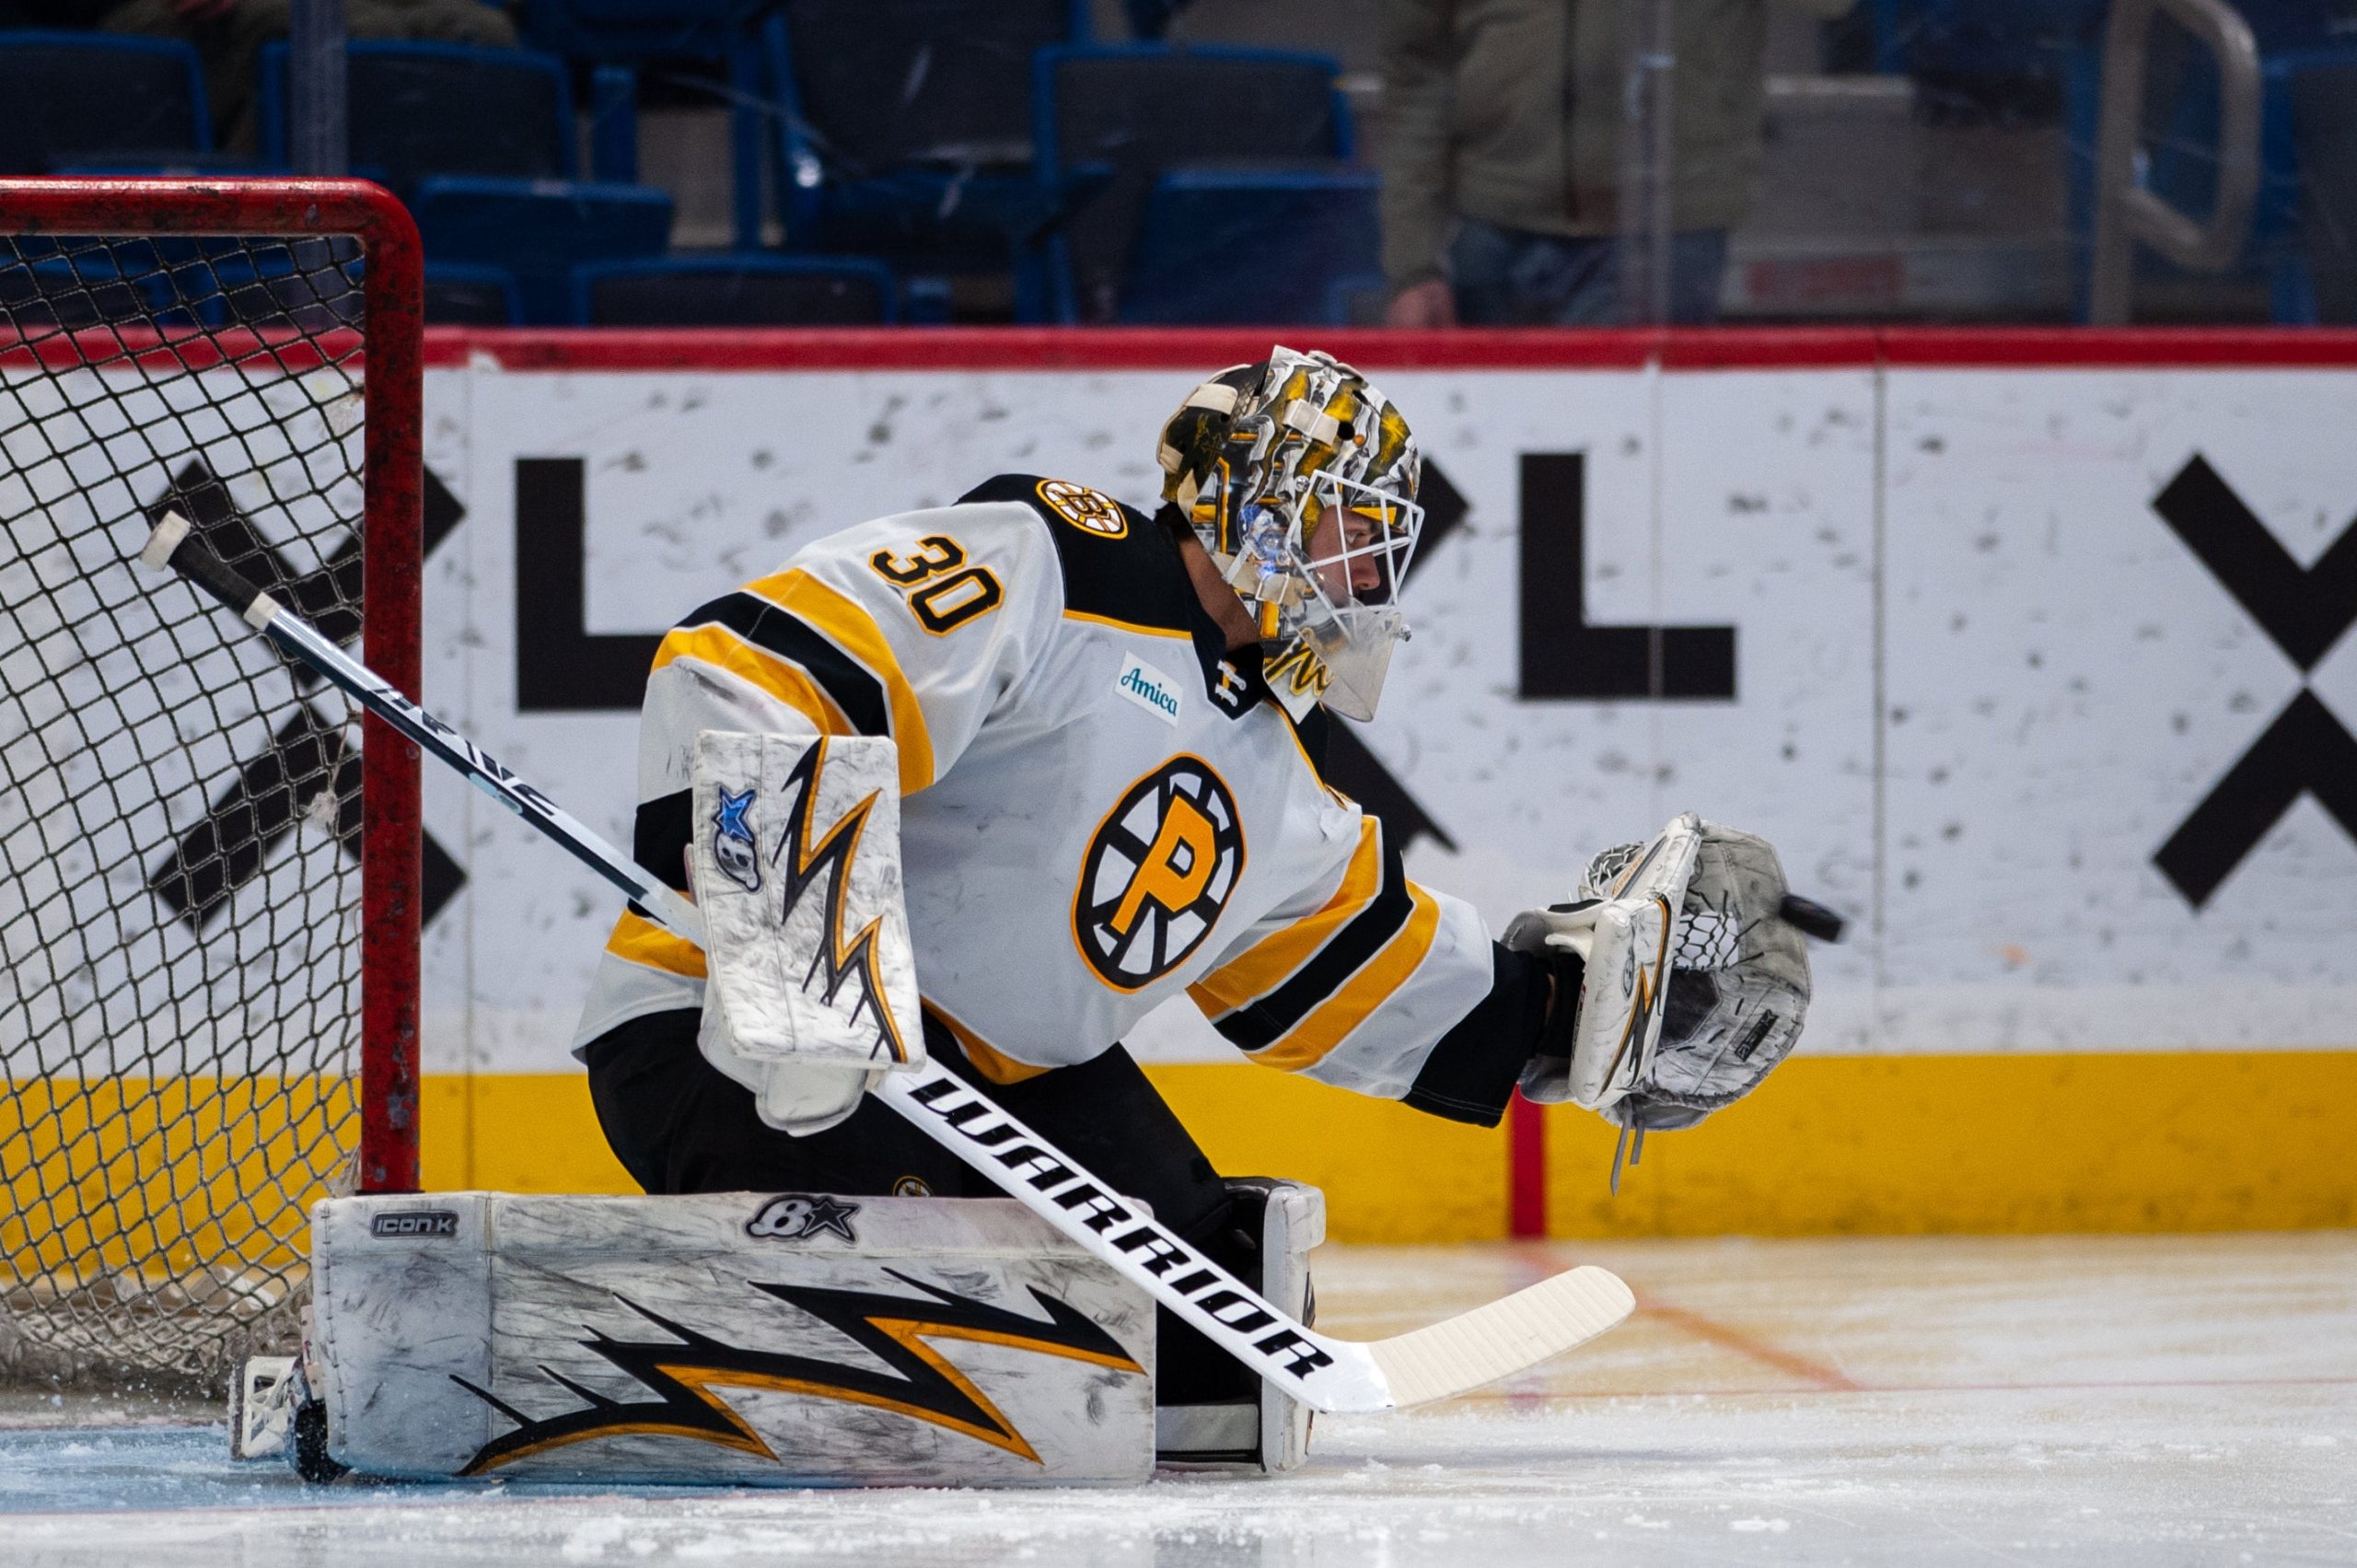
168	352
1526	1169
1065	350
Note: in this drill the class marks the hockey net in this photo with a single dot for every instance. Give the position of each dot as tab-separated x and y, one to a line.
207	880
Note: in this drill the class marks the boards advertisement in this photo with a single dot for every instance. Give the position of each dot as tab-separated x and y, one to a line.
2026	651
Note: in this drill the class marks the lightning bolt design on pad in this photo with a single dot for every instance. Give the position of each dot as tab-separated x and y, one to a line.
896	1330
811	859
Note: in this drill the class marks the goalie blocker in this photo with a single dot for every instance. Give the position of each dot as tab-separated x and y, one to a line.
795	864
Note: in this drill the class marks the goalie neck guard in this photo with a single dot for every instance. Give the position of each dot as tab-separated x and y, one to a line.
1300	479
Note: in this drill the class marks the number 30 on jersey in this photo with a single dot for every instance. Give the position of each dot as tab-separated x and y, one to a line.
943	593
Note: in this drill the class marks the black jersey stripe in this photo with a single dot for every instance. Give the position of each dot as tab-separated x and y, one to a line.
659	838
858	693
1136	576
1269	1018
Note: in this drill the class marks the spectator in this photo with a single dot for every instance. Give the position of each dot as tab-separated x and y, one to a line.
1502	121
229	36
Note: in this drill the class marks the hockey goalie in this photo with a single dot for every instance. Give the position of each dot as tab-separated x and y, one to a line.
983	785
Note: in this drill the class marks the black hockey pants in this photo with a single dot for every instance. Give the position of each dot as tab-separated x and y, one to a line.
679	1124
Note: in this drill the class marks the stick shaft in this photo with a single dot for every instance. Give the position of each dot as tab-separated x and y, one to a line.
175	544
486	771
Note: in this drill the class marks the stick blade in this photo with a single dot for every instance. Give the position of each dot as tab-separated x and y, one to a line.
1506	1336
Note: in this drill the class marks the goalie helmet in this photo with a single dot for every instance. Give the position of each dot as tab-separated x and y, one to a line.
1300	479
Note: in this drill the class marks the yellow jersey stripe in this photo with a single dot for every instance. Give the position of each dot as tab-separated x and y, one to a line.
1128	626
640	941
844	621
781	678
1264	966
1309	1041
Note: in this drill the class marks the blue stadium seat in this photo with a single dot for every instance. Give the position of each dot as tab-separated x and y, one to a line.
62	280
313	283
539	232
81	286
1304	231
906	130
624	37
416	110
471	293
2305	141
482	145
1357	299
2311	130
69	99
755	290
1981	37
1991	38
1142	111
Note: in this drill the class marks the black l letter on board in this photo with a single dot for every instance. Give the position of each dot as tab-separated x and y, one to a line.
1563	655
559	666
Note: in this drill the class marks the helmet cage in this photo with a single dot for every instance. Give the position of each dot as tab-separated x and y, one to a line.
1334	589
1299	479
1377	530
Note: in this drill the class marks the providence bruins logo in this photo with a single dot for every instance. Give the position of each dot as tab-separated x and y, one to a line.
1157	874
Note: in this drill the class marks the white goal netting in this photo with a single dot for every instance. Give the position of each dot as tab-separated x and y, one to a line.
180	809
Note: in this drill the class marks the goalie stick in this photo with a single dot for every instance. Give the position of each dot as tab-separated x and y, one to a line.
1326	1373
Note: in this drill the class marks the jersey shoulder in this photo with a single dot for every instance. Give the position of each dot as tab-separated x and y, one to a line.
1116	564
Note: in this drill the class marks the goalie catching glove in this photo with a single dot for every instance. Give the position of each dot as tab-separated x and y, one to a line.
796	864
1691	985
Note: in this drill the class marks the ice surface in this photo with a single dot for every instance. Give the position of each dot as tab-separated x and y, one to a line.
1917	1402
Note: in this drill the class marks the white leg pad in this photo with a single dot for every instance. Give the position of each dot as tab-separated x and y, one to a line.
737	1339
1294	1222
262	1407
1270	1436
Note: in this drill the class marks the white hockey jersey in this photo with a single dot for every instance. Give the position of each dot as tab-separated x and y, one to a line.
1102	806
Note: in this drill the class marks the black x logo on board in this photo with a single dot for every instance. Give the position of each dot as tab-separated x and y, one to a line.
2306	750
310	759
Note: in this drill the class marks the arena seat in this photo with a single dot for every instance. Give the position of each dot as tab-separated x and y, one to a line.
914	142
1183	268
482	144
540	232
2321	104
69	291
417	109
1143	111
756	290
2305	70
625	38
471	293
75	98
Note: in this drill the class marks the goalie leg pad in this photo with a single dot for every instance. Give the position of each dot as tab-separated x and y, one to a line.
1269	1433
262	1407
741	1340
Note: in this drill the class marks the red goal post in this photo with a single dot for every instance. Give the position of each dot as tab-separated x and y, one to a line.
208	347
